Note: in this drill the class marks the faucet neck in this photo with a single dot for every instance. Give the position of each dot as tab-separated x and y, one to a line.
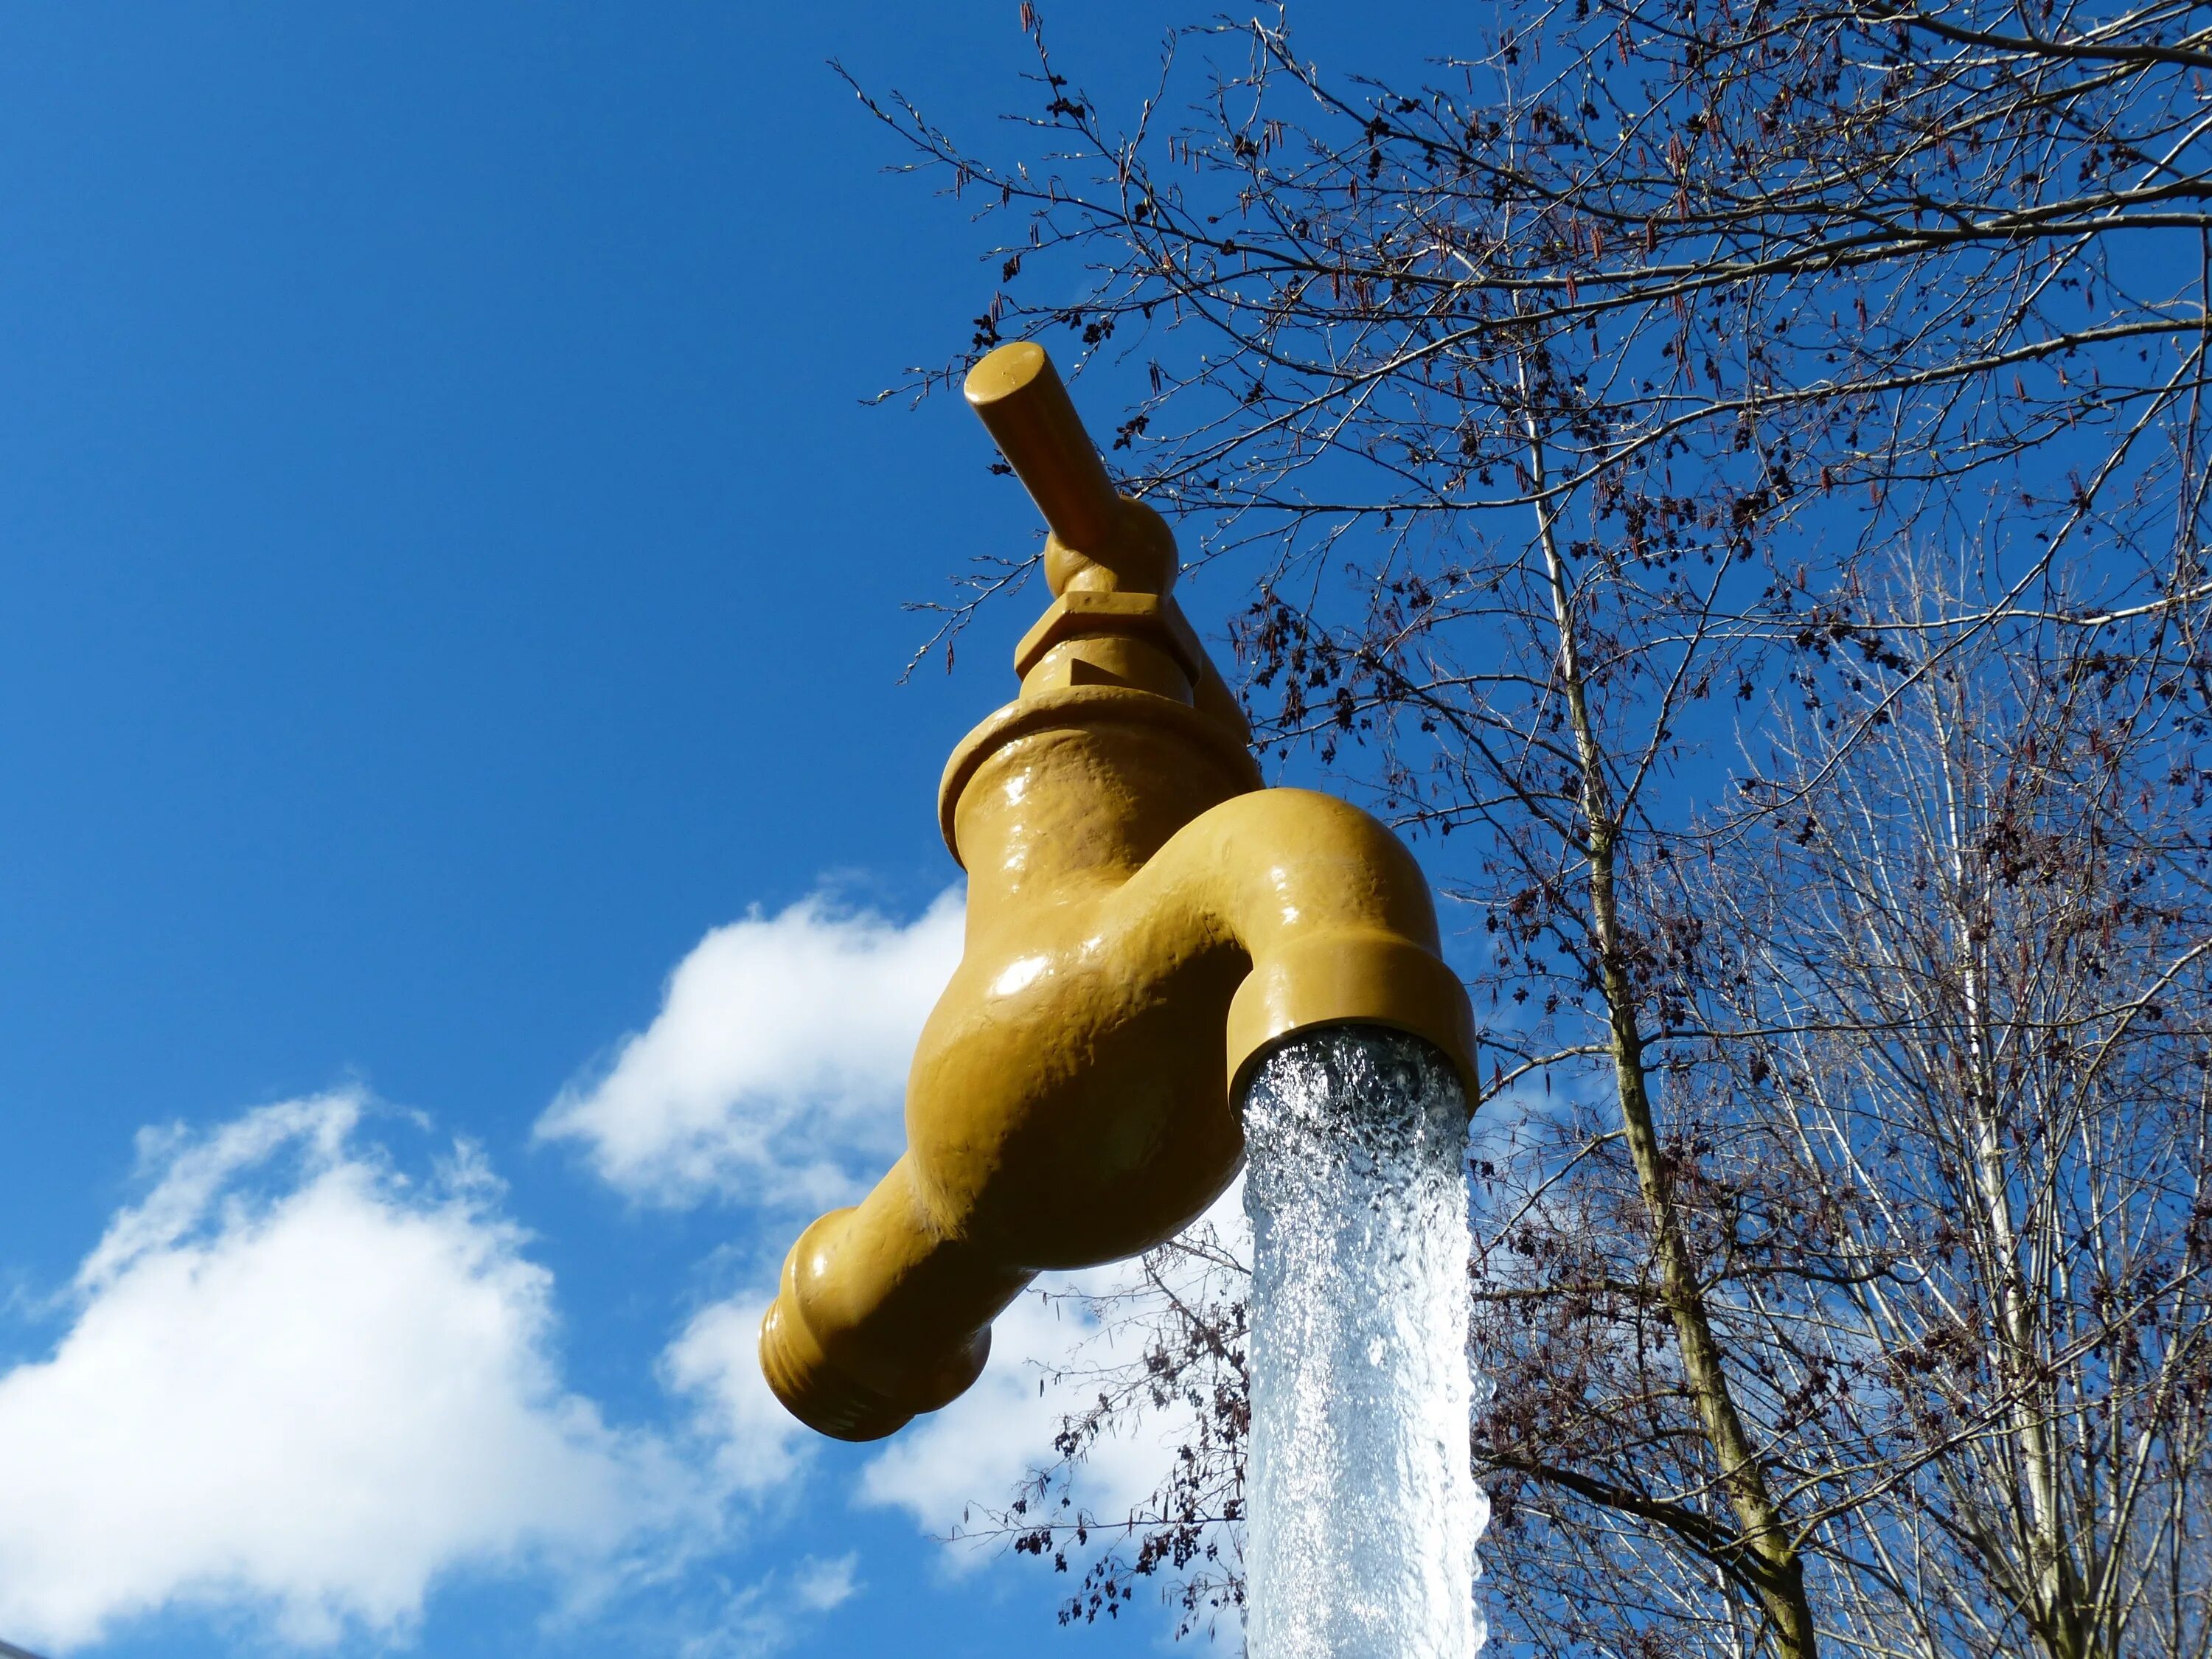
1082	782
1124	730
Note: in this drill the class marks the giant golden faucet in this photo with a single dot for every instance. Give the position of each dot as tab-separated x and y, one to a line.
1144	921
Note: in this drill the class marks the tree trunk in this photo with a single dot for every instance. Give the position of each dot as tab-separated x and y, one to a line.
1771	1564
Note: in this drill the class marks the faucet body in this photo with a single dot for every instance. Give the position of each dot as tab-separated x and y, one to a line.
1144	921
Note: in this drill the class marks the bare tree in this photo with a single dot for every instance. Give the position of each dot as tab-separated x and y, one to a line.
1945	1159
1967	993
1553	416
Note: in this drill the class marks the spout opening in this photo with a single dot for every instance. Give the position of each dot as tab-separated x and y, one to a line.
1350	979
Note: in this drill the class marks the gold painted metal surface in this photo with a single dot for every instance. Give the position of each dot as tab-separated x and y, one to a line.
1144	921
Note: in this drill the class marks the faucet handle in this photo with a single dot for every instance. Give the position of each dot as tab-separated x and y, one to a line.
1109	560
1022	400
1023	403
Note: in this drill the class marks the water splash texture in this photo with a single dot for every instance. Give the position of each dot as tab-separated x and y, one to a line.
1362	1511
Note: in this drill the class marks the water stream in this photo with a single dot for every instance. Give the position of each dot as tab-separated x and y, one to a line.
1363	1512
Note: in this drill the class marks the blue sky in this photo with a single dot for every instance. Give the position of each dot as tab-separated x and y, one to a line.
451	574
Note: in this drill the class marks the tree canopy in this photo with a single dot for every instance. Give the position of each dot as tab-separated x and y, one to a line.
1729	477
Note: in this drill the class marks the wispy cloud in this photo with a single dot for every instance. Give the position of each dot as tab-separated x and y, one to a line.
297	1385
766	1618
774	1071
821	1585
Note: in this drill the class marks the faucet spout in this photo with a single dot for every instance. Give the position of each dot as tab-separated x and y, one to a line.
1144	921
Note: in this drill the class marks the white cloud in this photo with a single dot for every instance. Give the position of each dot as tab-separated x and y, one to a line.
819	1586
297	1384
774	1071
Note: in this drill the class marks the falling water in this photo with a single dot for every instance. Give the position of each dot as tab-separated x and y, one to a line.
1362	1512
